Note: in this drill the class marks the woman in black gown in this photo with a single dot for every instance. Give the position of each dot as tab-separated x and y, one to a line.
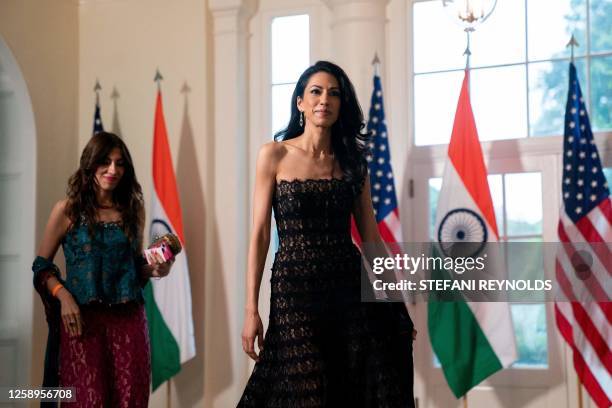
323	347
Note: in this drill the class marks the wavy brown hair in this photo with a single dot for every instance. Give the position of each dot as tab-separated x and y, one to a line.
127	196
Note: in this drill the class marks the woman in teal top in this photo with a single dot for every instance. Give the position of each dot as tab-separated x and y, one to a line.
98	337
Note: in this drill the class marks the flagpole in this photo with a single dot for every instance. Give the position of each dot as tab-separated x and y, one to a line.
169	394
97	125
158	78
97	89
572	43
465	402
376	64
579	386
468	52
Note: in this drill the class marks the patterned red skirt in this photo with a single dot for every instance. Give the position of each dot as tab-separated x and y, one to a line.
109	365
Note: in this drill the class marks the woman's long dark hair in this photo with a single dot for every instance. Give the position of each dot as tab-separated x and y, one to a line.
348	137
127	196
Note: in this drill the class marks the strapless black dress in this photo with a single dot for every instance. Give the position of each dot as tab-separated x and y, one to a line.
323	346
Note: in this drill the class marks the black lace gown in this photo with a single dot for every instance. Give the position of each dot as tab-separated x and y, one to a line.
323	346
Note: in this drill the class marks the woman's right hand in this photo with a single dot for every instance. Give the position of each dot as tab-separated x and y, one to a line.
253	327
71	314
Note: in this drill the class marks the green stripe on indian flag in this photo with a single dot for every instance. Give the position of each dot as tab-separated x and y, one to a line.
461	345
165	353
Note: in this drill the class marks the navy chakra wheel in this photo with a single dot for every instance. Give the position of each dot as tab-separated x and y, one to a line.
462	232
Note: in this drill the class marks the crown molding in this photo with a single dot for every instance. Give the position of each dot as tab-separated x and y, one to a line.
245	8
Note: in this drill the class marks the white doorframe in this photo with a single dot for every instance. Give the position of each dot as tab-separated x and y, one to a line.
17	221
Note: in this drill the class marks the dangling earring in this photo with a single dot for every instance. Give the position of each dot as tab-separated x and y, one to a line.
301	119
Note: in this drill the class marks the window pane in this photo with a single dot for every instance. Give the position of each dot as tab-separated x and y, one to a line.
497	196
501	38
531	337
435	103
548	95
524	203
550	26
290	48
500	110
601	40
438	43
499	102
281	106
525	260
601	93
608	173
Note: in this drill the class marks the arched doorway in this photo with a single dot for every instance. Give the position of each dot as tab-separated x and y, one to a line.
17	222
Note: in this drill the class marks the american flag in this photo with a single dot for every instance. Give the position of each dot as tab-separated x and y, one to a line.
583	319
382	185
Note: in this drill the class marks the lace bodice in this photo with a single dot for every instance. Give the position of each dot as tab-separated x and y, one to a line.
312	213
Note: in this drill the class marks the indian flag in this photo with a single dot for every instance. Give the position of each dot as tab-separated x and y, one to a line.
168	300
472	340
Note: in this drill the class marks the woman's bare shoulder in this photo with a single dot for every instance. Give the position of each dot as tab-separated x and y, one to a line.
61	207
272	152
59	214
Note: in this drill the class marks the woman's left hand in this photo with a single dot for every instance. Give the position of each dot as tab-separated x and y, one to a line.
158	270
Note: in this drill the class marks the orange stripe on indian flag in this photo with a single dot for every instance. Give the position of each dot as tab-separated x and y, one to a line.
164	180
464	144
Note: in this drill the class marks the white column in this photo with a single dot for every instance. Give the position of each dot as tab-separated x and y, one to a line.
358	31
226	364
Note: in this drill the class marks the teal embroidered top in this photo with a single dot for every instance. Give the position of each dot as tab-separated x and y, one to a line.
102	268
